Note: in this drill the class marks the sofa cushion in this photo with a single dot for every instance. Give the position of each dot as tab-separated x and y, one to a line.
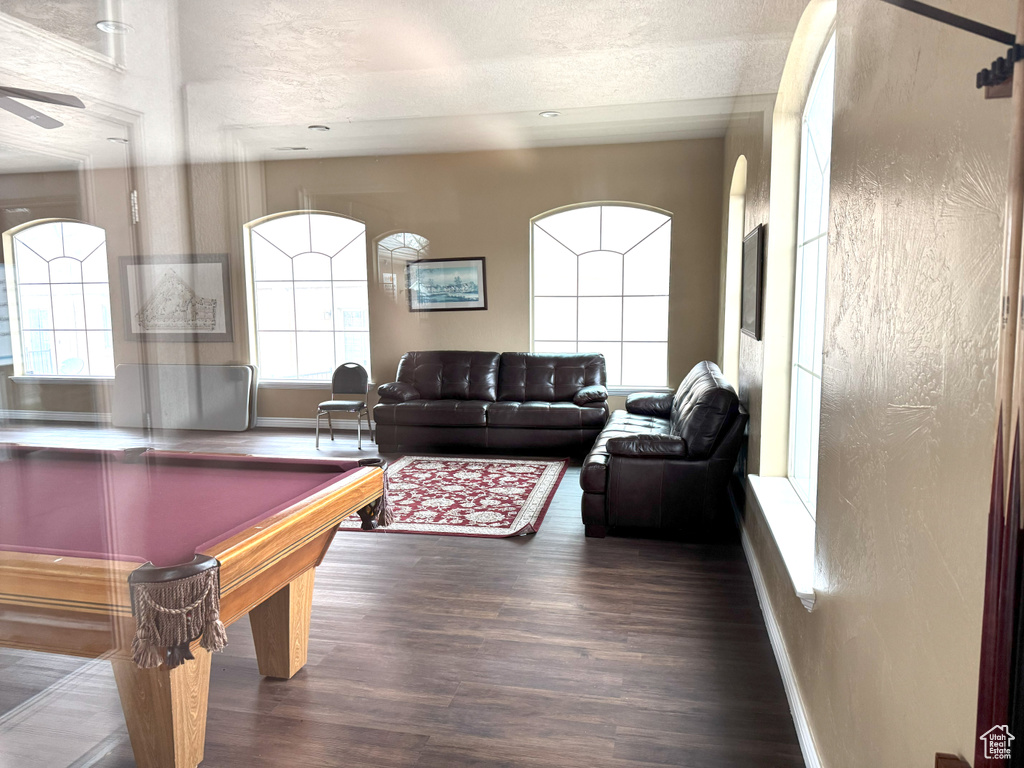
702	407
397	392
550	378
595	393
650	404
451	374
433	413
625	424
594	475
654	446
546	415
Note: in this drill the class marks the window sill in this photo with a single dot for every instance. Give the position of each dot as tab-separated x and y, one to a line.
28	379
792	529
620	391
298	384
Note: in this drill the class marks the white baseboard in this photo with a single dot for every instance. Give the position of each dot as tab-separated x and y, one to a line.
796	703
87	418
284	422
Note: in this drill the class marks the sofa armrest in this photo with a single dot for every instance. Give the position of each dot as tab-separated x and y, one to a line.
398	391
595	393
650	404
648	446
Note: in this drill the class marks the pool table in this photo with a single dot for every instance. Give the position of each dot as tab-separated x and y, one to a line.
75	523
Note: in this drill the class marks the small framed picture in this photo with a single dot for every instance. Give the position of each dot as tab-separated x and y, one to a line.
436	285
753	282
177	298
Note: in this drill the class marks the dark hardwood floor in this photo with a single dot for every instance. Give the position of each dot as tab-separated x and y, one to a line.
544	650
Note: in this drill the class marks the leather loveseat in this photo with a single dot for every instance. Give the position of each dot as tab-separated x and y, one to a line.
666	460
512	401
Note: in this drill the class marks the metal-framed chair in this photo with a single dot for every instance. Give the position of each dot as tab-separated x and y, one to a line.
348	379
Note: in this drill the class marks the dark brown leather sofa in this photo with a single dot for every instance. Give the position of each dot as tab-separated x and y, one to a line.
512	401
666	460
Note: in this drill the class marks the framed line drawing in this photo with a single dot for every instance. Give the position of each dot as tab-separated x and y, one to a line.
753	282
177	298
436	285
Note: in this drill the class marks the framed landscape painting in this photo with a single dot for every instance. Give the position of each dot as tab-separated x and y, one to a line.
753	282
436	285
177	298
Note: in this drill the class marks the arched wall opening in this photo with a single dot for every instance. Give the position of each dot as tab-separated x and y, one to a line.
732	279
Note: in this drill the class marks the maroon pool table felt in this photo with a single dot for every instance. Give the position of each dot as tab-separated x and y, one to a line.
144	506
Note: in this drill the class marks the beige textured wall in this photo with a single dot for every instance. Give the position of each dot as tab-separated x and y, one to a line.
468	204
73	398
480	204
100	197
887	662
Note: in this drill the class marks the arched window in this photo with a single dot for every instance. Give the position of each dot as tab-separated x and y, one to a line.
59	296
600	282
733	273
394	251
308	288
809	288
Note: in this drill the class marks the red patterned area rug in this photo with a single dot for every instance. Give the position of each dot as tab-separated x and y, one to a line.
468	497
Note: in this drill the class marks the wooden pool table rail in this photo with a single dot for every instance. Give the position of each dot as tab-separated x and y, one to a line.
77	586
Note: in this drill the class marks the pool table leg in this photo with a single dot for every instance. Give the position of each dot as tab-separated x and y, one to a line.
165	710
280	627
369	516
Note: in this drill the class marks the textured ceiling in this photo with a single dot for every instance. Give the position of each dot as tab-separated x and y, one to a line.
203	80
74	20
467	74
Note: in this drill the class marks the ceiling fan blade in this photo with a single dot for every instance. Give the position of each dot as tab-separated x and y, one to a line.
46	97
32	115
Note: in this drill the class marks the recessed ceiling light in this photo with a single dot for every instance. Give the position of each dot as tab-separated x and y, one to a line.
291	149
319	127
550	113
117	140
112	27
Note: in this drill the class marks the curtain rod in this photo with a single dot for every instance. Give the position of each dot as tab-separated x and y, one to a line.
960	22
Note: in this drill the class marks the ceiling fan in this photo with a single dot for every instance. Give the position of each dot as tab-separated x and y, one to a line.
8	103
